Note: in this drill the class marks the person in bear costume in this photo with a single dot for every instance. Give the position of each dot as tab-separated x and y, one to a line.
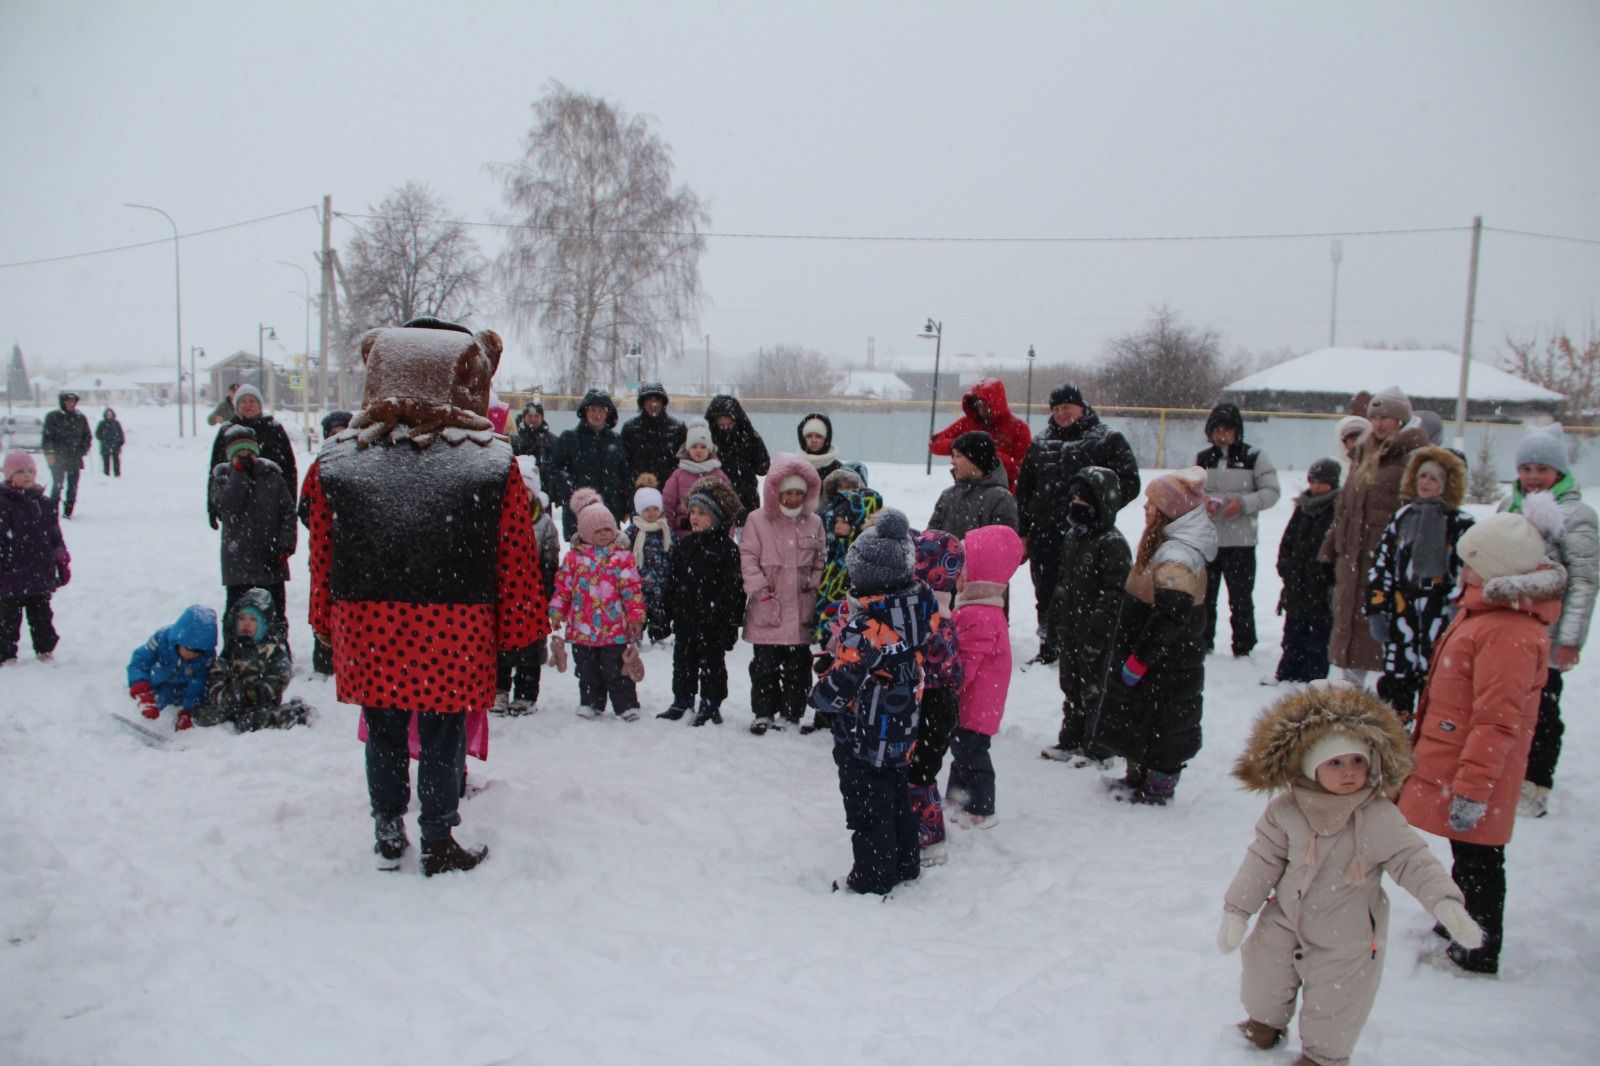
423	569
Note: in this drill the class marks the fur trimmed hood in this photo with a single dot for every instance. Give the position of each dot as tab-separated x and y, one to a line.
1455	475
1289	727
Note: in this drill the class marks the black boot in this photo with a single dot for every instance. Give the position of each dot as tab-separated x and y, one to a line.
673	713
442	855
761	725
708	712
391	844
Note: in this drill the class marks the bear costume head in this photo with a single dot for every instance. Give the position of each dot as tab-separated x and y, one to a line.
426	379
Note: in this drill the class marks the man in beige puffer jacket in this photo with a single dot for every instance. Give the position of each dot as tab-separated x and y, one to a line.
1316	867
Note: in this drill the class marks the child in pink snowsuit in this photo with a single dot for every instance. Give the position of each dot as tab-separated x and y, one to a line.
984	636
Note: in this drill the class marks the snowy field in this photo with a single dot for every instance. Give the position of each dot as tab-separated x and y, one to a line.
658	893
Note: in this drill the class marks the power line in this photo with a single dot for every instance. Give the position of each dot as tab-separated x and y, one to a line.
888	238
159	240
1541	236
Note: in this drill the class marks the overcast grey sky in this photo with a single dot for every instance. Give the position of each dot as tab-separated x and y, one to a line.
995	120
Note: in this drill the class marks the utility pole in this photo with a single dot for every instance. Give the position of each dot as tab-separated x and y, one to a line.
708	364
1333	308
1466	339
326	259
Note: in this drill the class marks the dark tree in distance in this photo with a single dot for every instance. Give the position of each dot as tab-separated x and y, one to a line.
1569	367
786	370
1165	364
604	251
18	390
409	261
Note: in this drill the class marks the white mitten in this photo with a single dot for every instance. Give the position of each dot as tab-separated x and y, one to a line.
1231	933
1463	930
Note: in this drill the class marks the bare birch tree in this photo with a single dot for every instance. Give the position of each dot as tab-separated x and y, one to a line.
605	250
1164	364
786	370
410	260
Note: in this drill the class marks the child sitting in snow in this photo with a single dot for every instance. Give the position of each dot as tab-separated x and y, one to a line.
697	458
872	690
993	555
517	673
33	559
169	669
1414	572
1335	755
600	602
705	600
649	536
245	683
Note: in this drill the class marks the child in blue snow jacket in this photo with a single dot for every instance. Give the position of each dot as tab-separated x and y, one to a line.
169	669
649	537
872	690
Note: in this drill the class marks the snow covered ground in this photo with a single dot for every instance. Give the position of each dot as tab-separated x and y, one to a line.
658	893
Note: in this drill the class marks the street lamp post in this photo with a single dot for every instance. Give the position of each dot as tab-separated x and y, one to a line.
933	331
177	296
1028	405
263	332
194	391
307	363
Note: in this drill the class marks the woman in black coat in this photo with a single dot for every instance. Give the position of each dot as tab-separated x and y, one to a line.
272	438
109	434
741	449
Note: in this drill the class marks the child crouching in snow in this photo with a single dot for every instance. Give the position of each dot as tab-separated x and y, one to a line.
871	691
600	601
993	555
169	669
245	683
1334	755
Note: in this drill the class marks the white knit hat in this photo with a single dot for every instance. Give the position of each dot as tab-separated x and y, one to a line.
646	498
792	483
813	425
699	432
1501	545
1331	745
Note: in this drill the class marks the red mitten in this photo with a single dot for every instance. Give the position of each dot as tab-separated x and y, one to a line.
141	691
63	567
184	721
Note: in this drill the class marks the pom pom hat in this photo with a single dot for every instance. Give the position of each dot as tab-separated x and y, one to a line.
883	558
1177	493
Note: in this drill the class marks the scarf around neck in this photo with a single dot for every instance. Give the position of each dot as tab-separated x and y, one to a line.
821	459
642	530
701	468
1327	815
981	594
1423	526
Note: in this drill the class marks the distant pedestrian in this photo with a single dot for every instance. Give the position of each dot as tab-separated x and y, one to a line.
223	412
1240	481
109	434
67	439
533	437
33	559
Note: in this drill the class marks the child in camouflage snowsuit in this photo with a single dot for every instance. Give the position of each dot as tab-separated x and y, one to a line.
245	683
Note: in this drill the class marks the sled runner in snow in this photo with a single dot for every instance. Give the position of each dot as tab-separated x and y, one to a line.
150	737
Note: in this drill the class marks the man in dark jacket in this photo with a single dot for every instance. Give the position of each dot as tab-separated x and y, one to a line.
1094	564
1074	440
741	449
67	439
271	437
255	504
109	434
652	437
592	456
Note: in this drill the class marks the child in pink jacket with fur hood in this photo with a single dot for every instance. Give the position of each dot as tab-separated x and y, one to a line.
993	555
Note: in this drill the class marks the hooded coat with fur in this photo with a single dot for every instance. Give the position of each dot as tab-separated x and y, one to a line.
1476	717
781	560
1315	869
1011	434
1418	608
1367	502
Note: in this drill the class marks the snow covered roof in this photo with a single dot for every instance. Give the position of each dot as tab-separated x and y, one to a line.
96	381
1425	374
872	383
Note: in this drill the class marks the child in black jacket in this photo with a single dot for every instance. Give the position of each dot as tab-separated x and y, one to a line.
705	602
1307	582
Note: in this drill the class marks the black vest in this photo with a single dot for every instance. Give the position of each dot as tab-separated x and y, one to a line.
415	525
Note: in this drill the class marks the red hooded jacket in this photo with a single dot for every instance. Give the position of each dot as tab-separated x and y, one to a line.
1011	434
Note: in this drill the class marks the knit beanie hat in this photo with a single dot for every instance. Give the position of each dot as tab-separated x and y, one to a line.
792	483
1502	545
1325	471
814	425
1177	493
534	406
237	439
248	390
978	447
646	498
582	498
1331	745
17	462
882	558
699	432
1547	446
1352	424
1432	425
592	519
716	498
1066	392
1390	403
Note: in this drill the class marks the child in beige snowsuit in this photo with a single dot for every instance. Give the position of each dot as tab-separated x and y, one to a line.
1335	755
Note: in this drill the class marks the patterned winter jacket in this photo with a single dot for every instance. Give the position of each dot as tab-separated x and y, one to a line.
246	682
599	595
654	558
940	560
875	682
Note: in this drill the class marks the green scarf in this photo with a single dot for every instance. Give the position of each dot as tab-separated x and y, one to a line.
1558	490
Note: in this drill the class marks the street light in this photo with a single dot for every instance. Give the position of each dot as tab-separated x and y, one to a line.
933	331
1028	405
263	332
194	391
177	295
307	363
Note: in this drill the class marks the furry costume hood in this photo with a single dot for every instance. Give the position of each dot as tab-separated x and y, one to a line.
1289	727
1455	475
722	497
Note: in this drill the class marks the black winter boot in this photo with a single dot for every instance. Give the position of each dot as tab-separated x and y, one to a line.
391	844
442	855
673	713
1156	790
